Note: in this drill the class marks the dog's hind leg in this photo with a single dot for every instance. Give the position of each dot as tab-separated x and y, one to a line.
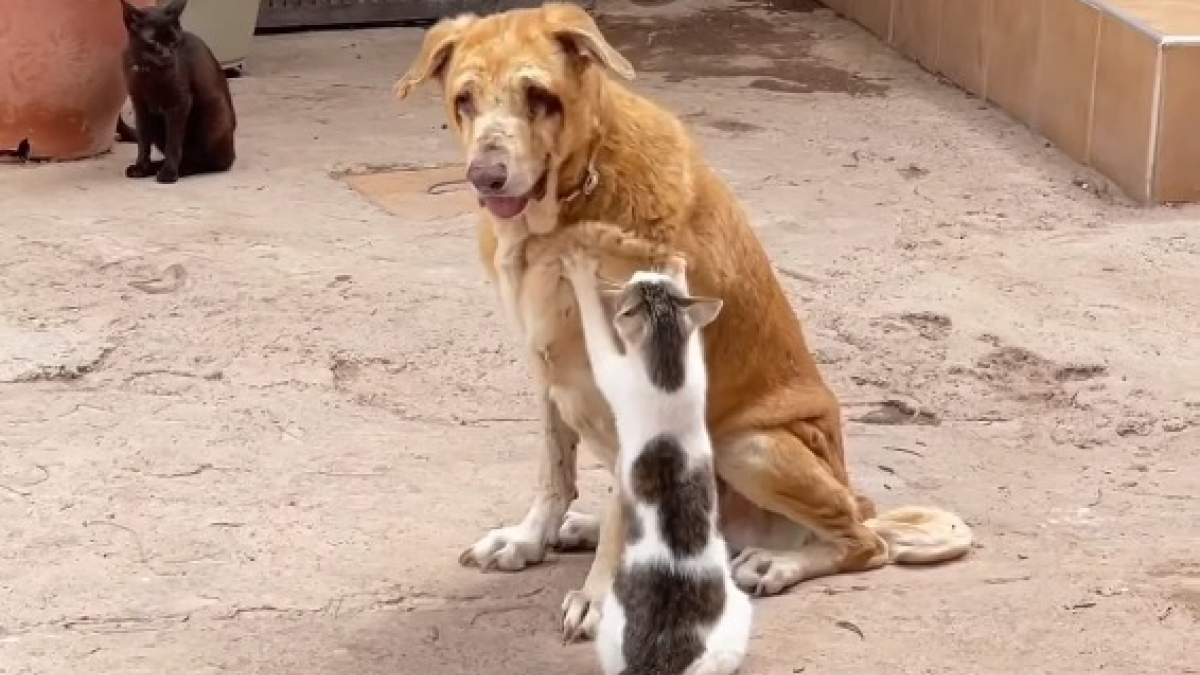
777	470
516	547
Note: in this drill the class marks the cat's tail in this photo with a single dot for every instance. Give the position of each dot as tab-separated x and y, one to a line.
921	535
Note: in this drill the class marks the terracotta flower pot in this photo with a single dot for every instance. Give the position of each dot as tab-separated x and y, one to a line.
61	85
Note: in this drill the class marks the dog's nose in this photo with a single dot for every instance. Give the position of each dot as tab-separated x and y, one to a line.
488	176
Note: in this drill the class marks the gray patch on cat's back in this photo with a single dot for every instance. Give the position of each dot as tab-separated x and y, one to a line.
666	358
664	610
683	495
633	524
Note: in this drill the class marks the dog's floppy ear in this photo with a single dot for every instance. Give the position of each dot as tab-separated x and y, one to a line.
580	37
435	53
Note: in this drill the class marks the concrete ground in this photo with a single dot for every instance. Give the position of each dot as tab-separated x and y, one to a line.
250	420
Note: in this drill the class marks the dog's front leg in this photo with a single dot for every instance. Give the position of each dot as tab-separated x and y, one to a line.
581	608
516	547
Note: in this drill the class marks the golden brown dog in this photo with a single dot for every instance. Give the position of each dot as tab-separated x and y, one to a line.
552	139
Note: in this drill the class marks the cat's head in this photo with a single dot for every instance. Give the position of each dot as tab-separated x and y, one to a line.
656	315
154	30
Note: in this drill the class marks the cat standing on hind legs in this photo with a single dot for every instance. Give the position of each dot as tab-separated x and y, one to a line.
674	608
181	100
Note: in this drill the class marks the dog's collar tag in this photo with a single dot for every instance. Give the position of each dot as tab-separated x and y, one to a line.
590	181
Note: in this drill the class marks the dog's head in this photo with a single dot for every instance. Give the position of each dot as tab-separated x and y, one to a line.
520	89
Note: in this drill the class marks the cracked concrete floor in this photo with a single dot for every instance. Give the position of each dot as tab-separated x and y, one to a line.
250	420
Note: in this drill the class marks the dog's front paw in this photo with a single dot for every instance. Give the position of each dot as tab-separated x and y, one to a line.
579	532
580	615
508	549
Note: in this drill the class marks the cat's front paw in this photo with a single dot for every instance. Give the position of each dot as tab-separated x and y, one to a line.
580	615
580	265
139	170
167	175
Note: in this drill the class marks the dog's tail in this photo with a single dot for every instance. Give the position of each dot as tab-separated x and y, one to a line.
921	535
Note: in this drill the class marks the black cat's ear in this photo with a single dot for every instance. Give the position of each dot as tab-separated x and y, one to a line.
131	14
174	8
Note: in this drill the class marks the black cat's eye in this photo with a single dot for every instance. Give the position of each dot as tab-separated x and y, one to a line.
542	102
464	105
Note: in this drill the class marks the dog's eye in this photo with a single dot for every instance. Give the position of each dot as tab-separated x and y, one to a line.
541	101
464	104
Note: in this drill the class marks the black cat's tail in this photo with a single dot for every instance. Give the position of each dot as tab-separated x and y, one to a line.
22	153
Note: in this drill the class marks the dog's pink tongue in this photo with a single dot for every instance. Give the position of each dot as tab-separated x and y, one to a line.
505	207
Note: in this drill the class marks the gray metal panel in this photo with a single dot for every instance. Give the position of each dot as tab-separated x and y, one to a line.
324	13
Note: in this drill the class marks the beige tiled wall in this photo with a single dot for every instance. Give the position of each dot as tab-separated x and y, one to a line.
1121	143
1177	175
1114	83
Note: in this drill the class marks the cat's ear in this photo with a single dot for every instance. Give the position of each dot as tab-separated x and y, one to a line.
174	8
702	311
132	15
435	53
629	324
610	299
623	307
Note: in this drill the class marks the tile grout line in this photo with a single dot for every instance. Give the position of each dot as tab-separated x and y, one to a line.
985	20
1091	107
1039	67
1155	122
937	45
891	31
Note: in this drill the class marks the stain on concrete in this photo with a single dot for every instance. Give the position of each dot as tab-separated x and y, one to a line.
759	39
728	125
732	126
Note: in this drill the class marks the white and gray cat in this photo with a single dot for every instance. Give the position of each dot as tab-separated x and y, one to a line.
674	608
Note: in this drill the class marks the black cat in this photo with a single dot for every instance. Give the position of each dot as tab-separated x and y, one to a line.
181	100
